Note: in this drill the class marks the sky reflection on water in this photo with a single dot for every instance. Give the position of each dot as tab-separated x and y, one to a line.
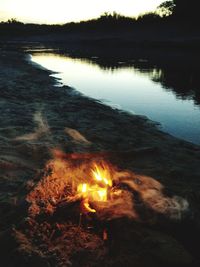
128	88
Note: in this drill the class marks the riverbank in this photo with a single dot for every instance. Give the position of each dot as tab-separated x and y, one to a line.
40	121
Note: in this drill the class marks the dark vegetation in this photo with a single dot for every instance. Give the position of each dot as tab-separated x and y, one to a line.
170	19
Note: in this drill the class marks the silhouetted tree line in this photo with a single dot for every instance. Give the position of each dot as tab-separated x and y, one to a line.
14	28
180	11
186	10
169	12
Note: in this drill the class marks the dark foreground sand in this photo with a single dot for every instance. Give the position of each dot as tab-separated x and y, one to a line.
37	118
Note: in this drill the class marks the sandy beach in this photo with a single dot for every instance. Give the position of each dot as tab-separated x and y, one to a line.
41	122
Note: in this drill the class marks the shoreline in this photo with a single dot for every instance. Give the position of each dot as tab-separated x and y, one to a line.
38	117
187	122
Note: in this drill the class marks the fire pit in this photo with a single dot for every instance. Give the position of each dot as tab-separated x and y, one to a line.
98	187
83	197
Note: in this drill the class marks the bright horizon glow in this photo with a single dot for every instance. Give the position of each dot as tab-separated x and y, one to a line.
63	11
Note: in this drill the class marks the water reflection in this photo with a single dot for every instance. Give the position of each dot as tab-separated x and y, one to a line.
166	93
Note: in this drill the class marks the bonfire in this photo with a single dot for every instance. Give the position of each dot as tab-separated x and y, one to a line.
83	202
97	187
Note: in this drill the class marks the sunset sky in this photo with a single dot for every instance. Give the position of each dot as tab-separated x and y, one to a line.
60	11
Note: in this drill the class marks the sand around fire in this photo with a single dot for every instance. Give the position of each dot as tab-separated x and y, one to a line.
53	212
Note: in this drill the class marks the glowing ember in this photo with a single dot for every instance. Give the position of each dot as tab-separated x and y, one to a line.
97	189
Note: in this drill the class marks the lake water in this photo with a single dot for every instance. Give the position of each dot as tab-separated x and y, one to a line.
157	93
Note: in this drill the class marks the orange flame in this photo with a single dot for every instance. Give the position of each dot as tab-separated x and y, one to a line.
97	189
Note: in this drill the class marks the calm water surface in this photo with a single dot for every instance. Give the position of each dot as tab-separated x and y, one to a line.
138	90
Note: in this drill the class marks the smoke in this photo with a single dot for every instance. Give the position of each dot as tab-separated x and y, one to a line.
151	194
142	199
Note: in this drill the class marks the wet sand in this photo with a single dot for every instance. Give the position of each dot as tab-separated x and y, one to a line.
37	117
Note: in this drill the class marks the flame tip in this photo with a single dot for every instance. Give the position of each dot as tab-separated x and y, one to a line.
99	190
